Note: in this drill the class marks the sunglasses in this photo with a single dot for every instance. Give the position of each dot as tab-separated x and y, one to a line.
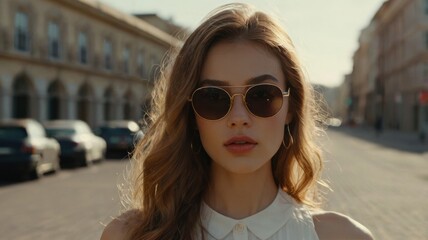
214	103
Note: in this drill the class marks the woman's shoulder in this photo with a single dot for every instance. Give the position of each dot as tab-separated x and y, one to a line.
332	225
118	227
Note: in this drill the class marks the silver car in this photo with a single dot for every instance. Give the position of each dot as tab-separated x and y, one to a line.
25	151
79	146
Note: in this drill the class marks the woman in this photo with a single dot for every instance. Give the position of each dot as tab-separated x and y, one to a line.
230	153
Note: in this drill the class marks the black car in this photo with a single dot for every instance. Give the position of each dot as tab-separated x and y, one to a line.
25	151
120	136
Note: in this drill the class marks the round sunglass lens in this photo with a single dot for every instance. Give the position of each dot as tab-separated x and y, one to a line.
264	100
211	103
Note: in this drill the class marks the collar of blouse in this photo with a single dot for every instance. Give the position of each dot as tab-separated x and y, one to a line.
262	224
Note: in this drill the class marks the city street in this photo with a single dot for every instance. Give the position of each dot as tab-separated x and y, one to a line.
74	204
383	188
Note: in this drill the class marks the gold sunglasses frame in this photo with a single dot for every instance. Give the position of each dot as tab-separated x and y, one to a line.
231	98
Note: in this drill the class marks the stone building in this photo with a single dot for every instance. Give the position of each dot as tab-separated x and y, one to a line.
76	59
403	62
390	74
359	88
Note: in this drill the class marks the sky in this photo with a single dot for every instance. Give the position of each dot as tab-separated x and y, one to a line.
325	33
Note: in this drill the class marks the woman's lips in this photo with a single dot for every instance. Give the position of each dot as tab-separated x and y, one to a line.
240	144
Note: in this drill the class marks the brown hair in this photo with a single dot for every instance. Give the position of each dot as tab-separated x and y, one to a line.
167	178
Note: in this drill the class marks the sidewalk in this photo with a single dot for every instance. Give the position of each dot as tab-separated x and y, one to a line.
404	141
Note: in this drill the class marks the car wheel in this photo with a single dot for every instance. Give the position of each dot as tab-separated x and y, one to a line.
103	156
85	161
56	166
34	174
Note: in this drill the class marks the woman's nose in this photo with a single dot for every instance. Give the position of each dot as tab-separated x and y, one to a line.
238	115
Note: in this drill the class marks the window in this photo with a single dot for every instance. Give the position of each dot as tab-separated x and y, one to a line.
426	40
426	6
22	36
425	71
54	44
125	57
83	48
140	65
108	49
426	114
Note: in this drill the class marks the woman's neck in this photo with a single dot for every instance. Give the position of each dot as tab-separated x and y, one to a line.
241	195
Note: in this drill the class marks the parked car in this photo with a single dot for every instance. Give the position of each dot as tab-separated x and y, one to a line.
79	145
25	150
120	135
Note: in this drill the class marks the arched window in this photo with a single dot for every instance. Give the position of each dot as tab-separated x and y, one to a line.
127	106
22	90
55	97
84	103
109	104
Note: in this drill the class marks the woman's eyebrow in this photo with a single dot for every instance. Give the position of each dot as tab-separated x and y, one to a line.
261	79
213	82
254	80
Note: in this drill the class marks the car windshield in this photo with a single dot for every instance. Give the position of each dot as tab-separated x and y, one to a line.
13	133
106	131
60	132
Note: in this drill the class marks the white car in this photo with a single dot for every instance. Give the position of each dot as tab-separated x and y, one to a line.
25	151
79	145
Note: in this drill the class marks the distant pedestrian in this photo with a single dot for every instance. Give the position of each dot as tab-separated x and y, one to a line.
231	152
423	134
379	126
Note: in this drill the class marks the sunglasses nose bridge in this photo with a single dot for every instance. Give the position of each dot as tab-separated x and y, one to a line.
232	102
232	99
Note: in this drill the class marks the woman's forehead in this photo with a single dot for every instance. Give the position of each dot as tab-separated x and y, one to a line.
240	62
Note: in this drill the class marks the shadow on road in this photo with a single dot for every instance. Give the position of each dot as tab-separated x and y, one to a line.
391	139
14	179
9	182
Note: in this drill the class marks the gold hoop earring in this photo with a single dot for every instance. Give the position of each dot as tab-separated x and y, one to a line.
289	133
290	141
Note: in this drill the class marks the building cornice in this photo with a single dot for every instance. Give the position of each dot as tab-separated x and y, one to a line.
120	20
85	70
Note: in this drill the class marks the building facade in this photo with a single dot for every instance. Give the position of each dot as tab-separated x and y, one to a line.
360	78
397	76
76	59
403	62
343	108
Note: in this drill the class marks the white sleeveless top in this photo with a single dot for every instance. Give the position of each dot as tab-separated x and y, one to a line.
283	219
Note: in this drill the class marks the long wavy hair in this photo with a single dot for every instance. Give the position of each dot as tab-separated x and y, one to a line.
169	171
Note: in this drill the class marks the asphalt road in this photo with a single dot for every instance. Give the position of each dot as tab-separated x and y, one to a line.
73	204
383	188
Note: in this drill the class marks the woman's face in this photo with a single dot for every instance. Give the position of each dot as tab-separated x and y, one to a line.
241	142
